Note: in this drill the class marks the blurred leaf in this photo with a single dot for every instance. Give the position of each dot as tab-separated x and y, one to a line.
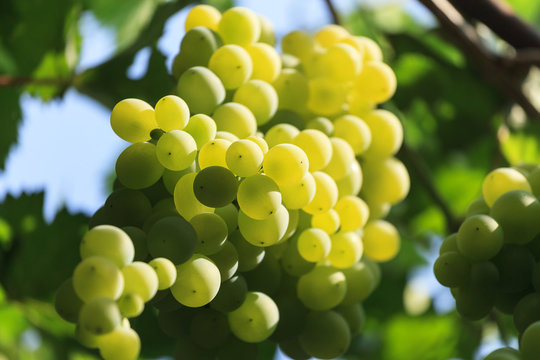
528	9
522	145
430	220
53	66
10	115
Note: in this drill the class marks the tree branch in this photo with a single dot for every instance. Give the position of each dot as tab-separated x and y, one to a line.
333	12
18	81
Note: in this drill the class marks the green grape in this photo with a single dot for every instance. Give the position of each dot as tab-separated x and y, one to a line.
358	105
249	256
292	348
226	259
283	116
330	35
479	237
175	323
452	269
186	349
533	178
515	265
215	186
314	244
528	345
232	64
256	319
266	277
322	288
267	31
236	119
172	113
449	244
484	275
258	197
478	207
355	131
264	232
326	335
176	150
322	124
138	238
202	128
132	120
376	82
341	159
346	249
141	279
165	271
231	294
292	89
317	147
354	315
197	282
201	89
473	303
527	312
196	48
517	212
137	167
280	134
229	213
158	215
86	338
209	329
120	344
292	314
110	242
211	232
299	195
353	213
286	164
294	217
327	221
235	349
213	153
170	178
326	96
259	97
99	316
361	281
173	238
130	305
386	134
299	44
185	200
292	262
97	277
260	142
351	183
385	181
506	353
502	180
341	62
226	136
244	158
66	302
266	62
239	25
202	15
381	240
130	207
325	195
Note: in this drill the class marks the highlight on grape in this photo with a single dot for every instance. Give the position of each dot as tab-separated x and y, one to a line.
250	204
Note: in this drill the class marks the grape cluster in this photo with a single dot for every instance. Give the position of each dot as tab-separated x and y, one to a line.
493	261
242	192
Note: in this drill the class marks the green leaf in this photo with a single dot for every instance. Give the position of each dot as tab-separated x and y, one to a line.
521	146
10	115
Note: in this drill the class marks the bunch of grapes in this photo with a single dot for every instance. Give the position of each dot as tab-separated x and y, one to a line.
249	205
493	261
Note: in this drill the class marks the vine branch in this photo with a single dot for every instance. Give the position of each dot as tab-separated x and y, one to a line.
333	12
17	81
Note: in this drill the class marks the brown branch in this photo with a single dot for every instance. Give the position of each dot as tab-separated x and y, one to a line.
333	12
18	81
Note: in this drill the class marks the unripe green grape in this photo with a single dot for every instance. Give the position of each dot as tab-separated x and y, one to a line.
502	180
130	305
330	34
201	89
325	195
100	316
341	159
120	344
322	124
97	277
286	164
452	269
292	262
515	265
165	271
326	335
202	128
480	237
172	237
298	195
85	338
236	349
130	207
232	64
484	275
327	221
266	277
236	119
186	349
291	347
141	279
292	89
386	134
361	281
314	244
527	311
239	25
506	353
255	319
351	183
322	288
132	120
215	186
449	244
211	232
533	178
264	232
137	167
249	256
229	213
176	150
202	15
209	328
175	323
346	249
172	113
66	302
110	242
354	315
213	153
170	178
381	240
259	97
185	200
294	217
355	131
260	142
266	62
528	345
280	134
376	82
196	48
326	96
225	135
226	259
478	207
385	181
353	213
317	147
258	197
231	294
244	158
299	44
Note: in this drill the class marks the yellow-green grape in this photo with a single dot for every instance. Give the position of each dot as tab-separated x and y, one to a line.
244	158
172	237
356	43
249	256
376	82
502	180
372	51
265	232
184	198
381	240
330	35
355	131
281	134
322	288
202	128
314	244
202	15
197	282
232	64
165	270
66	302
172	113
236	119
480	238
226	259
341	62
358	105
225	135
299	44
353	213
213	153
266	62
292	89
386	134
294	217
229	213
209	329
291	260
385	181
327	221
100	316
137	167
325	335
258	197
533	178
86	338
354	315
239	25
267	31
215	186
507	353
256	319
325	195
130	305
259	141
361	281
120	344
260	97
201	89
346	249
289	61
196	48
341	160
351	183
97	277
211	232
132	120
110	242
317	147
170	178
298	195
322	124
286	164
326	96
140	278
176	150
528	346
